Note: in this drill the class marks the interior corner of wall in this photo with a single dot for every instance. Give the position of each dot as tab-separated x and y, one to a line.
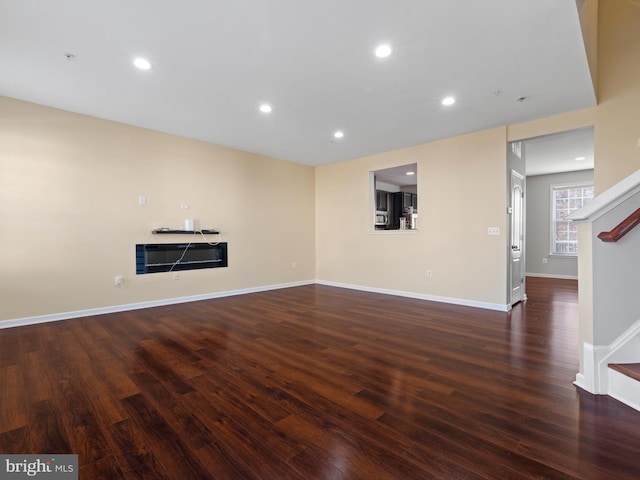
593	374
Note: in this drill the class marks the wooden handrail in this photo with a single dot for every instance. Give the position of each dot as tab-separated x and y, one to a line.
622	229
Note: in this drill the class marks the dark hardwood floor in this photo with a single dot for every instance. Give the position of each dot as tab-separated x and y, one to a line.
316	382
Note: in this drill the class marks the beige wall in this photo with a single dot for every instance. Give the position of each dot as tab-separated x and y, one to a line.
616	128
461	192
69	188
588	12
585	288
617	153
616	132
555	124
71	183
615	119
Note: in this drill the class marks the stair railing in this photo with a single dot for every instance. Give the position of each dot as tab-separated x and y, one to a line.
622	228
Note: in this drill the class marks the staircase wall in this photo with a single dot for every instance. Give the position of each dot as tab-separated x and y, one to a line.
616	276
609	279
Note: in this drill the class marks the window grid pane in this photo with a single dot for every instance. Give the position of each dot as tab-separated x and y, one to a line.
565	201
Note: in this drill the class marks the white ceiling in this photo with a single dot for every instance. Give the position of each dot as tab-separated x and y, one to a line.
398	175
215	61
558	152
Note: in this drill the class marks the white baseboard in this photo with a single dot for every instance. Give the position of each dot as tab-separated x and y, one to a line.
420	296
596	359
549	275
594	365
624	389
19	322
581	383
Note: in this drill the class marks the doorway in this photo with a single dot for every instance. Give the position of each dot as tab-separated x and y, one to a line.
516	239
516	213
547	163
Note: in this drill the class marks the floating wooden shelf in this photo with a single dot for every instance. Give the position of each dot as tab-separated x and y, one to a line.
165	231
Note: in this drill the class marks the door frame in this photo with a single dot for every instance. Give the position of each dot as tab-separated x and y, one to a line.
523	296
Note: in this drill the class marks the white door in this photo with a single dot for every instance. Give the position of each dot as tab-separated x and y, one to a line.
516	236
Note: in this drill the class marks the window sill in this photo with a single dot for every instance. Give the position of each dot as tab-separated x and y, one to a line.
394	232
563	255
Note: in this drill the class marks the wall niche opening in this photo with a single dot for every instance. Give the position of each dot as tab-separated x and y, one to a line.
395	198
172	257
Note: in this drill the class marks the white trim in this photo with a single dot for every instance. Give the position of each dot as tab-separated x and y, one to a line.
581	382
552	214
19	322
594	378
596	359
407	231
598	378
624	389
551	275
589	363
608	199
632	332
420	296
55	317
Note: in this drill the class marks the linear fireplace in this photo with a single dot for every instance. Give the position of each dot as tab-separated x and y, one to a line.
171	257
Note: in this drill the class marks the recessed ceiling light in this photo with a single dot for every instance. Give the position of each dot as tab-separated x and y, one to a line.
383	51
266	108
448	101
142	63
581	158
338	134
410	173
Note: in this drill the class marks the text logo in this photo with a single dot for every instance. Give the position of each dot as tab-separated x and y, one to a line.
49	467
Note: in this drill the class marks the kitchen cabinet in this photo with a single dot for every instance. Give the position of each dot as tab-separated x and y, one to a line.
409	200
382	203
398	203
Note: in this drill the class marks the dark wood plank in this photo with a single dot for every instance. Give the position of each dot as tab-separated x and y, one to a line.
175	412
316	382
172	451
103	469
66	367
134	454
46	431
9	347
13	412
15	441
631	370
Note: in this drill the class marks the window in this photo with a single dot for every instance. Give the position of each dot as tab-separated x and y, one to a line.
564	201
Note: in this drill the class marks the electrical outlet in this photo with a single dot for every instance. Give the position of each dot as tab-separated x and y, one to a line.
118	280
493	231
544	260
429	274
176	276
294	265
